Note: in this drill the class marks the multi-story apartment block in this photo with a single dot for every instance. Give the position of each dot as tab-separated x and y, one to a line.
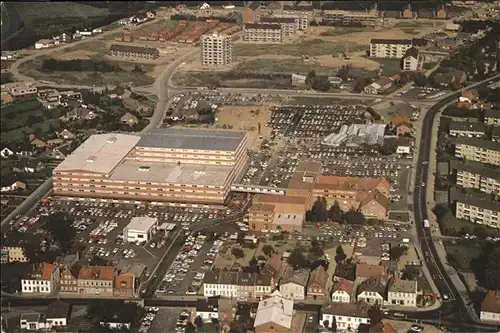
477	176
492	117
171	165
478	150
43	278
467	129
13	253
96	280
476	207
216	50
402	292
262	33
238	284
129	51
345	17
301	19
413	60
289	25
389	48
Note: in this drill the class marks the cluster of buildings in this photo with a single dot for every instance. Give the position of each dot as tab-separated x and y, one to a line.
165	165
405	49
287	212
65	38
70	277
131	51
55	316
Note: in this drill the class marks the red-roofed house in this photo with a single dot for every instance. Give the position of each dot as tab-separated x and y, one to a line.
342	291
43	278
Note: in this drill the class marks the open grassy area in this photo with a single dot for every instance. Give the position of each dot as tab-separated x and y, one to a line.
461	255
29	11
339	31
313	47
283	66
389	66
451	226
96	46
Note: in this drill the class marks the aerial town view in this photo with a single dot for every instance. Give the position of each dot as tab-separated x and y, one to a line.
250	166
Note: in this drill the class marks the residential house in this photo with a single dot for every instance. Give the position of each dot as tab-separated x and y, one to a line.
6	152
342	291
38	143
207	309
274	314
250	14
66	135
43	278
366	271
402	124
441	13
412	60
402	292
293	284
57	314
11	183
372	291
128	278
444	79
33	322
20	90
54	142
80	113
69	277
345	271
96	280
58	153
490	307
378	86
317	286
129	119
346	316
407	13
276	266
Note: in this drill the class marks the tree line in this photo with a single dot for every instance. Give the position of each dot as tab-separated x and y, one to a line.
320	212
80	65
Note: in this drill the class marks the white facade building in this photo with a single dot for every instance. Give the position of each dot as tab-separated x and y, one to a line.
389	48
342	291
347	317
43	279
237	284
272	311
402	293
216	50
140	229
412	60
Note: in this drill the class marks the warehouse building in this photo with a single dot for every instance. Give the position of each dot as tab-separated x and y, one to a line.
168	165
262	33
216	50
140	229
134	51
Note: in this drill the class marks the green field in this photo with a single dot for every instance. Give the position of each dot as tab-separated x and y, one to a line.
389	66
23	118
284	66
314	47
461	255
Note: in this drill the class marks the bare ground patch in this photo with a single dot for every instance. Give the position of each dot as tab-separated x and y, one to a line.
75	55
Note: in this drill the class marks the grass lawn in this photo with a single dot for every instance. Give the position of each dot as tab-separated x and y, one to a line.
285	66
389	66
451	226
461	255
314	47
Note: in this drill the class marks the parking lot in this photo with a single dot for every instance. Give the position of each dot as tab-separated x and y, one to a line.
421	93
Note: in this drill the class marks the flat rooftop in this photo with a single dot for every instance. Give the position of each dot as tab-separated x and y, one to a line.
171	173
187	138
142	223
100	153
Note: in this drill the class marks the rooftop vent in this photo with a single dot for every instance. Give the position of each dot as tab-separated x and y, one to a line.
112	139
91	159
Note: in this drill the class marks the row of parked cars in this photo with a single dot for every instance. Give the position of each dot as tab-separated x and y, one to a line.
148	318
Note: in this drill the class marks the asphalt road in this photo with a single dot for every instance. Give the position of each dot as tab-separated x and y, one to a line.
453	310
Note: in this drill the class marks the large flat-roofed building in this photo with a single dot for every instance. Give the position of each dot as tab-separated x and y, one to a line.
262	33
477	150
165	165
216	50
289	25
476	207
140	229
477	176
345	17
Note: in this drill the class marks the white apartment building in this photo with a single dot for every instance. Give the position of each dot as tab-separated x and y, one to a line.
216	50
347	316
42	279
237	284
262	33
301	20
402	293
389	48
492	117
478	150
413	61
477	176
289	25
476	207
467	129
140	229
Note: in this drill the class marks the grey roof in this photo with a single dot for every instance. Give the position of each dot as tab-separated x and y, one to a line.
372	284
413	52
260	26
403	286
476	168
299	277
359	310
492	113
186	138
486	144
473	198
31	317
57	309
467	126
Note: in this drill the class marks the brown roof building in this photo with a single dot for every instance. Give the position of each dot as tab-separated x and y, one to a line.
490	307
366	271
96	280
277	212
317	286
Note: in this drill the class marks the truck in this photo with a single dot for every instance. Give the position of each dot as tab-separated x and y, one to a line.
426	223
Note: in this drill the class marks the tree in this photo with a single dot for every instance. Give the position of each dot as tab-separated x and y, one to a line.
310	78
297	259
420	79
319	212
316	249
343	72
335	213
354	217
487	267
375	314
60	227
198	321
321	83
190	328
340	255
237	253
397	251
268	250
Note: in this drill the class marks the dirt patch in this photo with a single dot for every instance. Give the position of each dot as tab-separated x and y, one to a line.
354	61
246	118
75	55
